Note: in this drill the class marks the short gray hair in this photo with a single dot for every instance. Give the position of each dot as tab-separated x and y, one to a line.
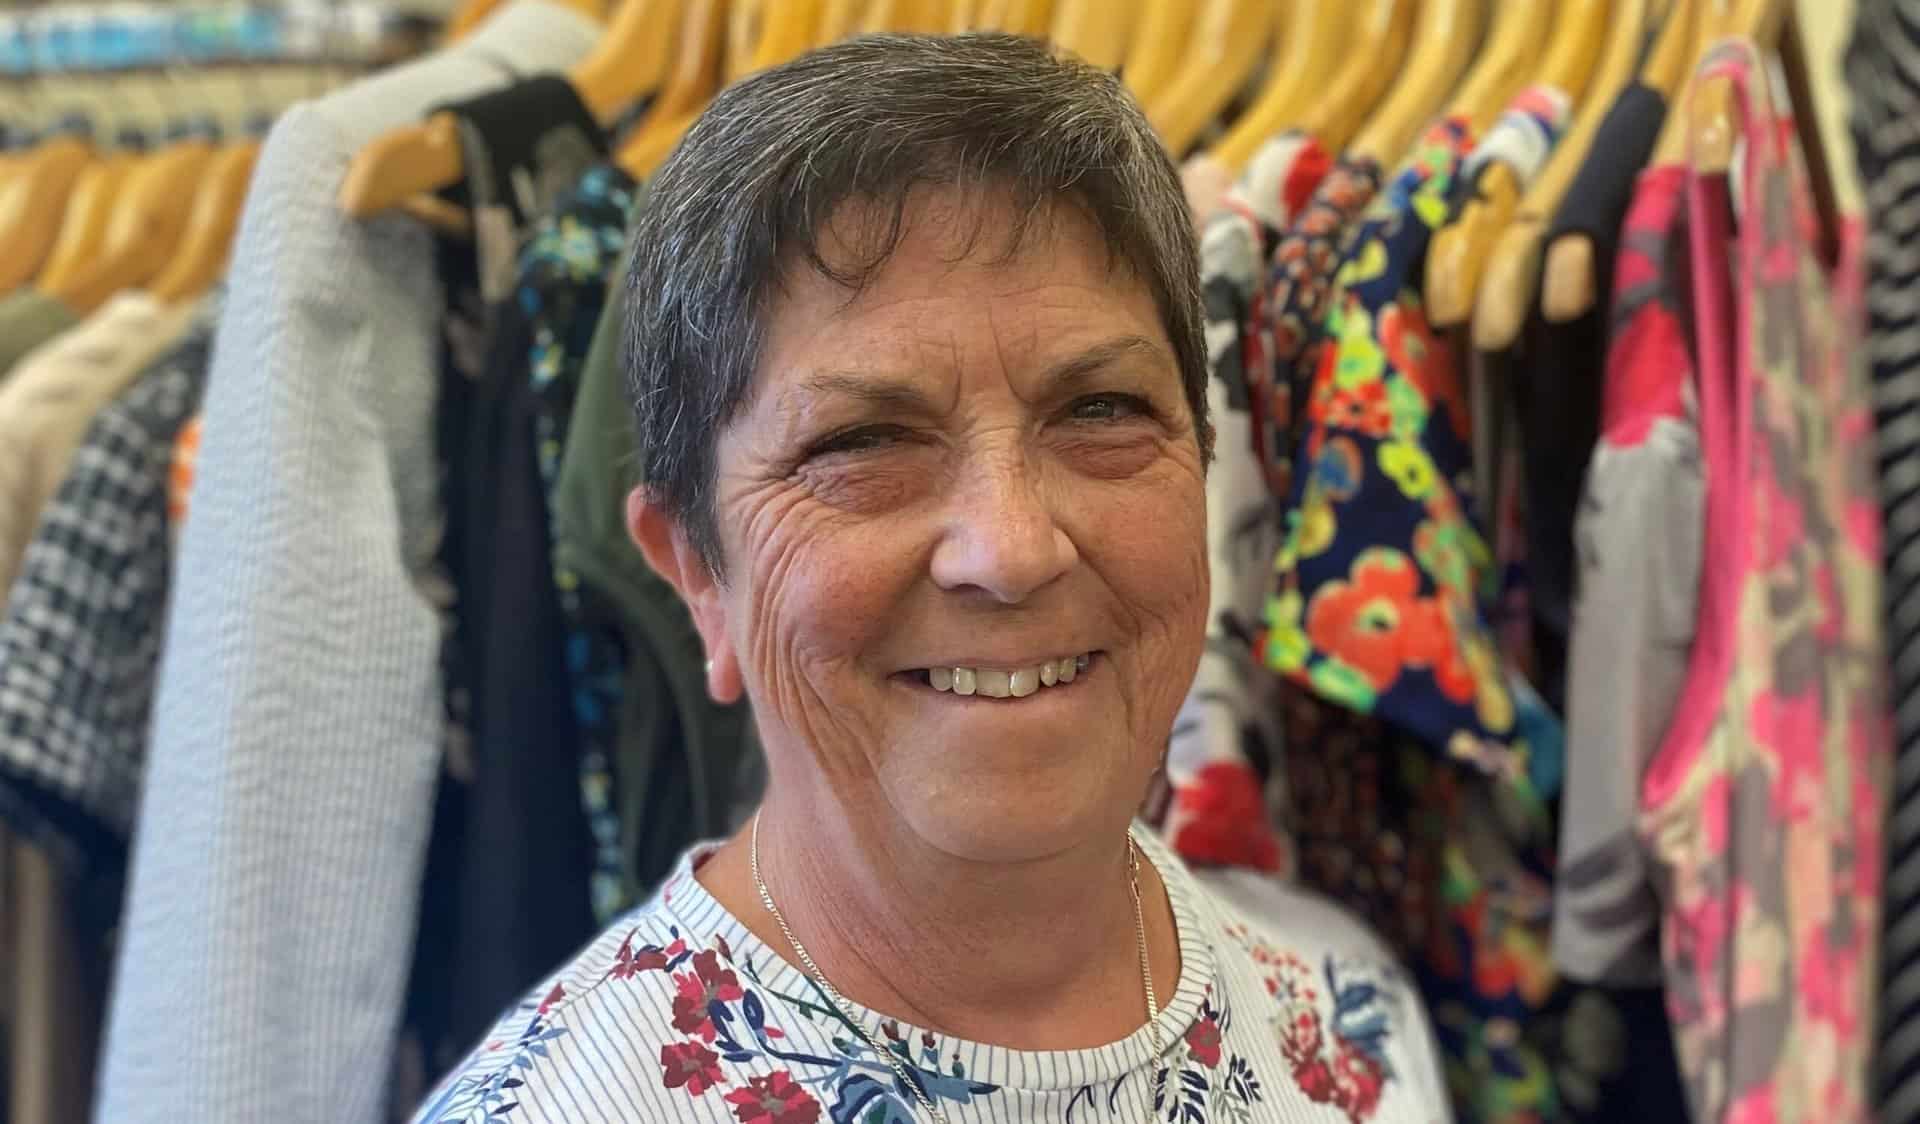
752	187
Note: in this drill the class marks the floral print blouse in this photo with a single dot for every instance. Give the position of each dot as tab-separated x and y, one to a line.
1286	1011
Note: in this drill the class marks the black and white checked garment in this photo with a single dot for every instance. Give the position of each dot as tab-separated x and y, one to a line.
80	639
1883	69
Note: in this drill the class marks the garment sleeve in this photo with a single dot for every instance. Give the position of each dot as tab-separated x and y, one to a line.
1639	540
298	720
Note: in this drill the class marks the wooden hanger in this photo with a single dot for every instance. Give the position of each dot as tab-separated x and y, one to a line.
642	156
1379	45
1512	281
1015	17
1570	287
202	254
1228	44
1098	31
1713	117
144	232
406	163
32	202
469	15
695	79
839	19
695	76
1517	33
402	163
924	17
1712	113
83	229
1677	46
766	33
1159	43
1581	31
1444	40
629	60
787	29
1458	258
1714	18
1311	45
746	19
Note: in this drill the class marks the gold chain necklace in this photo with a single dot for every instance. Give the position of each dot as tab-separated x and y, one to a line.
892	1059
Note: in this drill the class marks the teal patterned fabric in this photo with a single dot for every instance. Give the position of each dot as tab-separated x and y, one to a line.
564	275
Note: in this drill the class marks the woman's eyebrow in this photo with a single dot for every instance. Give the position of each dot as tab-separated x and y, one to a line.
1069	373
896	394
890	392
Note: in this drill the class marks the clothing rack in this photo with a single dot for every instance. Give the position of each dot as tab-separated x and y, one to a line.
380	716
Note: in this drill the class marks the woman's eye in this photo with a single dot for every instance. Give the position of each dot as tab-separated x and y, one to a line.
862	440
1108	407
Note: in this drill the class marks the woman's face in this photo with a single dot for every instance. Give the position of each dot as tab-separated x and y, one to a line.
976	469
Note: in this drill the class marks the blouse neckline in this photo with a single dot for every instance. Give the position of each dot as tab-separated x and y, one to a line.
702	918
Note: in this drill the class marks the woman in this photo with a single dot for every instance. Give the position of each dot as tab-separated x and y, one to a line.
917	365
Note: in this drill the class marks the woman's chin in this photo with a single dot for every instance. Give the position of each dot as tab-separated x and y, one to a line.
995	815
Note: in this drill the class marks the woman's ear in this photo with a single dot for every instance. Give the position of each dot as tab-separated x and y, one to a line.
666	547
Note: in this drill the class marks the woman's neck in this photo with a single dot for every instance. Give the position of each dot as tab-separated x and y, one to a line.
1038	956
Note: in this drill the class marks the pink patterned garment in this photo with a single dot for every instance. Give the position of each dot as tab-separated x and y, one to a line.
1762	809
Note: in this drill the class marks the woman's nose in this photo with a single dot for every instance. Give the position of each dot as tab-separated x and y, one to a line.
1001	536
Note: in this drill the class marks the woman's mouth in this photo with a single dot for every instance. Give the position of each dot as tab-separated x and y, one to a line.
1005	683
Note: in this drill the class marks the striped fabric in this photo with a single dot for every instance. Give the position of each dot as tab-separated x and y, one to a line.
299	721
1884	72
1286	1011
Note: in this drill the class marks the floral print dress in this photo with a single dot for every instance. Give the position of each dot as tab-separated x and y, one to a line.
1763	807
1286	1011
1445	844
1220	757
1383	574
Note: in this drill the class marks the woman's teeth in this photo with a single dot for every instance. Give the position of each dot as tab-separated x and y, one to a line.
1000	684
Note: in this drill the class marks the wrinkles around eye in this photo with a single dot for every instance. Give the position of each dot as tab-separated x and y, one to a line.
875	479
883	472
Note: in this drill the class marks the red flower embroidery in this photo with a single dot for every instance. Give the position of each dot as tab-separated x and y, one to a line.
1203	1041
1300	1040
1358	1081
1351	1079
1367	621
558	993
774	1099
689	1064
707	984
628	963
1315	1079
